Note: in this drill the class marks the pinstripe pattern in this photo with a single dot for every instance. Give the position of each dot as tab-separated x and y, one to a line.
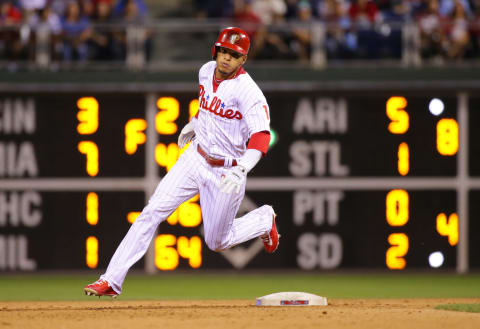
223	136
178	186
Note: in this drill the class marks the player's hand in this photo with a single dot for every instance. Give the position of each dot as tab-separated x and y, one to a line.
186	134
233	180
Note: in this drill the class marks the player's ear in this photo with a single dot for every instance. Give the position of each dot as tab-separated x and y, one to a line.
244	59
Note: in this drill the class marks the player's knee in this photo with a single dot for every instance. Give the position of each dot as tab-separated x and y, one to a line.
150	213
268	208
216	245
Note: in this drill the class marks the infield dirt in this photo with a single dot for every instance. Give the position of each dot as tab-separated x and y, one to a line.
232	314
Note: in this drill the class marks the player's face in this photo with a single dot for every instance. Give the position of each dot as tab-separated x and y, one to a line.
229	61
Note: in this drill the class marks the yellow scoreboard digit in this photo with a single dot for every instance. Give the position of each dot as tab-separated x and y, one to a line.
447	137
87	115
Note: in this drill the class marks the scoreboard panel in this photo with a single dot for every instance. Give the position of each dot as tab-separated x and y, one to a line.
358	180
63	230
366	135
331	229
474	136
474	229
68	135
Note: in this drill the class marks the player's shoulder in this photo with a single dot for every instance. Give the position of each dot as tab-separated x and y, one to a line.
247	83
207	69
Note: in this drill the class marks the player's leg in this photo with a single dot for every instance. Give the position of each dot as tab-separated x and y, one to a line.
222	229
178	186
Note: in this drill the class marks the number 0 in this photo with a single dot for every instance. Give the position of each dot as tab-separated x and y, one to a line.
397	207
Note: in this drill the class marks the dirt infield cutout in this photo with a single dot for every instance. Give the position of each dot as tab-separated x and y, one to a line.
232	314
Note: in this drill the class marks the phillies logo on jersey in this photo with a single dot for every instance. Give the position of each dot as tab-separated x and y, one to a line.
216	106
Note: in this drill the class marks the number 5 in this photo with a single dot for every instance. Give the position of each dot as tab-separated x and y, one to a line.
396	113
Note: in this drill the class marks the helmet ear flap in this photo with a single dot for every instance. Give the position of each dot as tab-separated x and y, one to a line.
214	52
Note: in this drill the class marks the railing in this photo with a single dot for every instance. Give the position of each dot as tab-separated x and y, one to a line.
183	44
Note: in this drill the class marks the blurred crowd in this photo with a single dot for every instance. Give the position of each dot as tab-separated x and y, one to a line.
80	30
83	30
357	29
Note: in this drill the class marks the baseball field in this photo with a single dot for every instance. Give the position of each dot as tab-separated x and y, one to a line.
214	300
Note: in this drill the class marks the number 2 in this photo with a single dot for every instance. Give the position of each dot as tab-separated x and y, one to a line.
395	254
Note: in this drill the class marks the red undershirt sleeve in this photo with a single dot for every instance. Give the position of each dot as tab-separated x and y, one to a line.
260	141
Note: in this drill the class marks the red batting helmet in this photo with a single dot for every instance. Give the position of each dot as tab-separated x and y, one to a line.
232	38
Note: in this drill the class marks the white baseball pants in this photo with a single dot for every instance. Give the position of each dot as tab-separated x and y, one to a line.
189	176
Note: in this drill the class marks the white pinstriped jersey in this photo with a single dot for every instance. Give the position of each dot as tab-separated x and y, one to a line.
229	116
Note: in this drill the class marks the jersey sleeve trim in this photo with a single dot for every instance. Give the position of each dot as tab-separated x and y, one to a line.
260	141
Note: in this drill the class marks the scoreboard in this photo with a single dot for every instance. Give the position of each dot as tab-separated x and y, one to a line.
359	180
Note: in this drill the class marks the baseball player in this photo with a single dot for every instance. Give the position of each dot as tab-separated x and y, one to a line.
232	111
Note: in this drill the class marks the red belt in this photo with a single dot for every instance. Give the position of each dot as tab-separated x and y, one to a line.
214	161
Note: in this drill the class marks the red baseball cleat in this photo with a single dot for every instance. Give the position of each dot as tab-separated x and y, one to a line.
270	241
100	288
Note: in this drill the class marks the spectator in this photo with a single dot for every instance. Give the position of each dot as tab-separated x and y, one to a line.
399	11
76	32
214	8
132	13
264	43
132	16
87	8
292	5
58	6
302	35
475	29
458	35
432	32
10	45
246	18
96	2
341	41
248	21
364	12
141	10
384	5
391	35
447	7
269	11
9	14
102	40
331	10
417	7
49	21
47	18
31	5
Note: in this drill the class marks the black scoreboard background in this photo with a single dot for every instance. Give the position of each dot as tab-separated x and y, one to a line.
358	180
